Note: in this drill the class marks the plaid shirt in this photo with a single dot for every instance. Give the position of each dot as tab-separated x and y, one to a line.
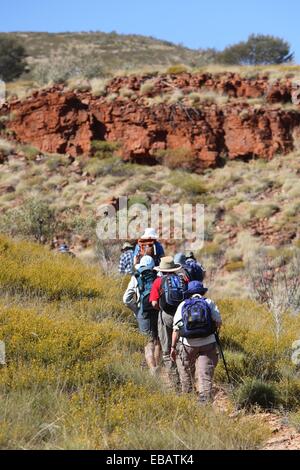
126	262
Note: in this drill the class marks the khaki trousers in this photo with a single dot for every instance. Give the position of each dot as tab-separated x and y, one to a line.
200	361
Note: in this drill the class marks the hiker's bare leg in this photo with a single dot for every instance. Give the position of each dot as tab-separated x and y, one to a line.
149	355
157	352
165	329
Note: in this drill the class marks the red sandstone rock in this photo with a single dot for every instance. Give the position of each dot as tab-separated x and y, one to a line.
54	122
61	121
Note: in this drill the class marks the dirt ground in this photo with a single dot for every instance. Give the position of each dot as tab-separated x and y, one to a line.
284	436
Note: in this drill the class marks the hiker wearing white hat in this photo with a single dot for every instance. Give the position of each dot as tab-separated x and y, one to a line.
148	244
136	298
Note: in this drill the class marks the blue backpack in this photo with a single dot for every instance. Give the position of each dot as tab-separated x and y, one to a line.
197	319
173	290
145	278
194	270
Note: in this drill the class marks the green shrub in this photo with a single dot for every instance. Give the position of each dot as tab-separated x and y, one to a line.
149	186
126	92
289	392
190	184
207	98
79	84
297	243
98	86
147	87
234	266
211	249
138	199
175	97
101	167
176	69
177	158
237	366
255	392
12	58
30	152
34	219
5	147
295	420
103	149
55	161
263	211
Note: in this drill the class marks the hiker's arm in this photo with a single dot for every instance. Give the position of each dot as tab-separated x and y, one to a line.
155	293
155	304
216	315
136	255
177	324
175	337
130	297
121	264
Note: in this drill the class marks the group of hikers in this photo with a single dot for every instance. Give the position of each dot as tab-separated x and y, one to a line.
167	297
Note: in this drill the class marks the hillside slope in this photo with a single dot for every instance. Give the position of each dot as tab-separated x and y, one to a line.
73	376
98	53
249	207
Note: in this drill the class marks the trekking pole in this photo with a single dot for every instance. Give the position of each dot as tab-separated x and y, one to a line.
222	354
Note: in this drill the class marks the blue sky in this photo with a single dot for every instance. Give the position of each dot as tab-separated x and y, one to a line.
194	23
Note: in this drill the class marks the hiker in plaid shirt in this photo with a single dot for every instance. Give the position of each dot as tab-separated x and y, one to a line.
126	259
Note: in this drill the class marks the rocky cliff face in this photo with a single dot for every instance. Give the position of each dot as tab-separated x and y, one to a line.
56	120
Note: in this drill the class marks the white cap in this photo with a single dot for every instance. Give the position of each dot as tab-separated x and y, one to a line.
146	262
150	233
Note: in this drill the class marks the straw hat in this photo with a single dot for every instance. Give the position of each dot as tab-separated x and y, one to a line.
126	246
167	265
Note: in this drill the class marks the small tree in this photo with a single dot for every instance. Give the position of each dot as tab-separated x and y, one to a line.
34	220
277	287
257	50
12	59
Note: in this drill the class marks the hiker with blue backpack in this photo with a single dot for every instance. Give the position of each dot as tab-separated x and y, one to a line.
166	294
194	340
191	269
137	299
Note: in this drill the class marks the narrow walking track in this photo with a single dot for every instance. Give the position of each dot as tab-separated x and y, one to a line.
284	436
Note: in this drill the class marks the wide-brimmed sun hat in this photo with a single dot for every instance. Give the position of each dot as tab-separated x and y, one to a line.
146	262
127	246
150	233
167	265
196	287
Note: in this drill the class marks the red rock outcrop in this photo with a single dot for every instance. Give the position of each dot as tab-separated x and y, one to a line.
54	121
61	121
